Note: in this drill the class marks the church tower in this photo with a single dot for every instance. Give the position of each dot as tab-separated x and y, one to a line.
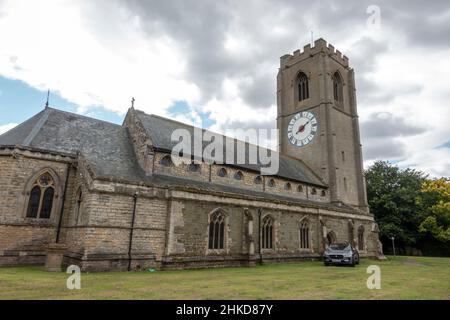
318	121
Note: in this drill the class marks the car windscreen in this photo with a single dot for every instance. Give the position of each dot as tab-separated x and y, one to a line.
340	246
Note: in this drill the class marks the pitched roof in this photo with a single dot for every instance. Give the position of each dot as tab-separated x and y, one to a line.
106	146
108	149
160	130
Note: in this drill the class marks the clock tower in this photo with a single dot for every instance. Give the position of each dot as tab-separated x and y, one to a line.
318	121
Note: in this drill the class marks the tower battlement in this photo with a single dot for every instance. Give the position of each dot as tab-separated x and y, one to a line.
320	45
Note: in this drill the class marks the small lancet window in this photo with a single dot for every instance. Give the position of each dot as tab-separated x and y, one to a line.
361	238
258	180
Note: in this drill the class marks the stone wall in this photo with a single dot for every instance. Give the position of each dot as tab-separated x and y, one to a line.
24	240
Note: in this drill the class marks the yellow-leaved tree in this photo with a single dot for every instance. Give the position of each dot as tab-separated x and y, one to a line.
435	199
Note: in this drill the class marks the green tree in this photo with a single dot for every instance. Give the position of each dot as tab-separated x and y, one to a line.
392	194
435	199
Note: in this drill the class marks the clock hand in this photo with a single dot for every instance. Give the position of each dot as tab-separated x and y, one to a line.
302	127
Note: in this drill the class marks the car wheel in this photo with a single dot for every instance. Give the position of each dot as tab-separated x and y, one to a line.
357	259
352	264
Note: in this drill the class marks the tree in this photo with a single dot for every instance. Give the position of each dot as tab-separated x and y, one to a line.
392	194
435	198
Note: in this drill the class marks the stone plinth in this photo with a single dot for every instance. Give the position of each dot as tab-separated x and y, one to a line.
54	257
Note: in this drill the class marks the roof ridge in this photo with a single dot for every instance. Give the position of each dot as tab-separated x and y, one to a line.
83	116
27	141
192	126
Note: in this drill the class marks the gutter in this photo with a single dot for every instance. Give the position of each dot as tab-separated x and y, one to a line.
260	237
133	217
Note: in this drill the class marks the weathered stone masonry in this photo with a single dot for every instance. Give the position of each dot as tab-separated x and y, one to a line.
184	216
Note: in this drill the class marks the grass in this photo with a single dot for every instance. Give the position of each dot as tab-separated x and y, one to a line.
401	278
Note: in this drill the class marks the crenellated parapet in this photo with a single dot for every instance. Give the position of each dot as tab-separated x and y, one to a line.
320	46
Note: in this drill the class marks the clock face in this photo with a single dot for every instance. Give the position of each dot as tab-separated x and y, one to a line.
302	128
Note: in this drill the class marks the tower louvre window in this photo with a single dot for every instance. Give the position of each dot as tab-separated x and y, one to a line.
303	86
337	87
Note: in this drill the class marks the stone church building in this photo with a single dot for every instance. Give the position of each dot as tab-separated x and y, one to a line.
113	199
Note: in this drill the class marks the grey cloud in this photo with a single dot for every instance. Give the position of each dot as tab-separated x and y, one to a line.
383	149
385	125
200	29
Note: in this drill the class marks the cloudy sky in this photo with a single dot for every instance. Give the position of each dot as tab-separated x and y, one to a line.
216	62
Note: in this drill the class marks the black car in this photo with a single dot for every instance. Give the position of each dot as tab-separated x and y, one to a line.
341	253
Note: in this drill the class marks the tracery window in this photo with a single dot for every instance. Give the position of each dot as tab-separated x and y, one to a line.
217	231
42	193
304	235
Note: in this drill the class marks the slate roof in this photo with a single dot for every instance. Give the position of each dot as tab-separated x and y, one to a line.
182	182
106	146
108	149
160	130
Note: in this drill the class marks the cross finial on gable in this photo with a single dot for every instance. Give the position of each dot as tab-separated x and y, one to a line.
132	102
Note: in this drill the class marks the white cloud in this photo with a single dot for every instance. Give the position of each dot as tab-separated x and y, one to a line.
59	48
6	127
222	59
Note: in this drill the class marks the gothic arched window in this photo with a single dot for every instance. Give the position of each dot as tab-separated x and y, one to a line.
267	233
337	87
304	235
217	231
303	86
271	183
288	186
361	238
42	193
258	180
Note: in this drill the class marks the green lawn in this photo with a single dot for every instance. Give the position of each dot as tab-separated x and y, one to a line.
401	278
